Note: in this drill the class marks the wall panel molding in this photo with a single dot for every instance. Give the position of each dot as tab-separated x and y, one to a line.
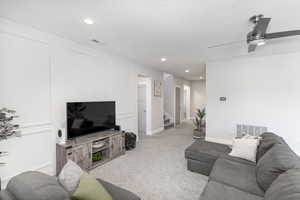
35	128
125	115
45	168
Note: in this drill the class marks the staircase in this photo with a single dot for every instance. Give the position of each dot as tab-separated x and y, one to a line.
168	123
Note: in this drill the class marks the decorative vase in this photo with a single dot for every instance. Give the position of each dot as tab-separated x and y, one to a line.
199	133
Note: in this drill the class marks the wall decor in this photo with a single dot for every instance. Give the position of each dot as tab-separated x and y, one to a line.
157	88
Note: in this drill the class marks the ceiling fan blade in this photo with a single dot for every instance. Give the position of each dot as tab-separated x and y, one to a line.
225	44
251	47
282	34
261	26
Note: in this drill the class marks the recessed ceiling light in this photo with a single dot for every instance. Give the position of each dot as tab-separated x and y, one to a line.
187	71
163	59
201	77
88	21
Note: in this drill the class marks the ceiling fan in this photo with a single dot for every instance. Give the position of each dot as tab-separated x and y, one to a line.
258	36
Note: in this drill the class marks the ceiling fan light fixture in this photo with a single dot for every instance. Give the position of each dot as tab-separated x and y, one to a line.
259	42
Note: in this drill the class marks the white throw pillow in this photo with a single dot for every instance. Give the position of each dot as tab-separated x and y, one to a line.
70	175
245	148
247	136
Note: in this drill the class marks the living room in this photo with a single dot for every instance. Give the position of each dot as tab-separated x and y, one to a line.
54	52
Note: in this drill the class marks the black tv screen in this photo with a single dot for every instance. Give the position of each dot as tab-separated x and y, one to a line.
90	117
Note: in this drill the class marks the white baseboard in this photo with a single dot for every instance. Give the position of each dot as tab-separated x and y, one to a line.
153	132
45	168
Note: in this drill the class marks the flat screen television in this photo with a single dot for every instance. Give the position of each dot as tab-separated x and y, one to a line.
89	117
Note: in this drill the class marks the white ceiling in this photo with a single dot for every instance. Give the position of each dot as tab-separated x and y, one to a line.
146	30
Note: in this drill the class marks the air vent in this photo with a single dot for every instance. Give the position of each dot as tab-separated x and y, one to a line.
243	129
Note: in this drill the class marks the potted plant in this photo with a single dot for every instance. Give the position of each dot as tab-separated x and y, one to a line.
7	127
199	122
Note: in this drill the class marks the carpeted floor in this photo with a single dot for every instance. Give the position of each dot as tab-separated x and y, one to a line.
156	169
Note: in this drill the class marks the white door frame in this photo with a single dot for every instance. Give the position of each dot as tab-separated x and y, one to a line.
177	86
148	82
141	115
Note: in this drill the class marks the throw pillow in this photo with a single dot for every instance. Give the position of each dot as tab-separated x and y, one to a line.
69	176
90	189
276	161
247	136
267	141
33	185
245	148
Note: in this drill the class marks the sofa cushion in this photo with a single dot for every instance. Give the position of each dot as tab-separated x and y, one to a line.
235	174
118	193
236	159
267	140
36	186
285	187
218	191
277	160
205	151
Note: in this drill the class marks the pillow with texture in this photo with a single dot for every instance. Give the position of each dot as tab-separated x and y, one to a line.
69	176
90	189
33	185
247	136
276	161
245	148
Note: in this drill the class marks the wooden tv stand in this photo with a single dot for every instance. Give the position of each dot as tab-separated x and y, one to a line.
92	150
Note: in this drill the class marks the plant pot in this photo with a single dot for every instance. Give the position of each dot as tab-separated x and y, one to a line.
200	133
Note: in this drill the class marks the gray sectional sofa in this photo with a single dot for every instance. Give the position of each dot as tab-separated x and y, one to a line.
275	175
34	185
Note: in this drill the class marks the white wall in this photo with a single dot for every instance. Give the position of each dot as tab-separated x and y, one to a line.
40	72
198	96
260	91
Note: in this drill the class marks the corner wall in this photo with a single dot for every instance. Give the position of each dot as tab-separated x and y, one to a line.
260	91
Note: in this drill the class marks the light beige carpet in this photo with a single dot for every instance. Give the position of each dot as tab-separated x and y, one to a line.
156	169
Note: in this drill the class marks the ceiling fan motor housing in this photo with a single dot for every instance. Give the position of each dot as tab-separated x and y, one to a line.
254	19
251	36
255	35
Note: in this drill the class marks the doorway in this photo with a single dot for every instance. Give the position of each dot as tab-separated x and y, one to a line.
177	106
142	109
144	106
